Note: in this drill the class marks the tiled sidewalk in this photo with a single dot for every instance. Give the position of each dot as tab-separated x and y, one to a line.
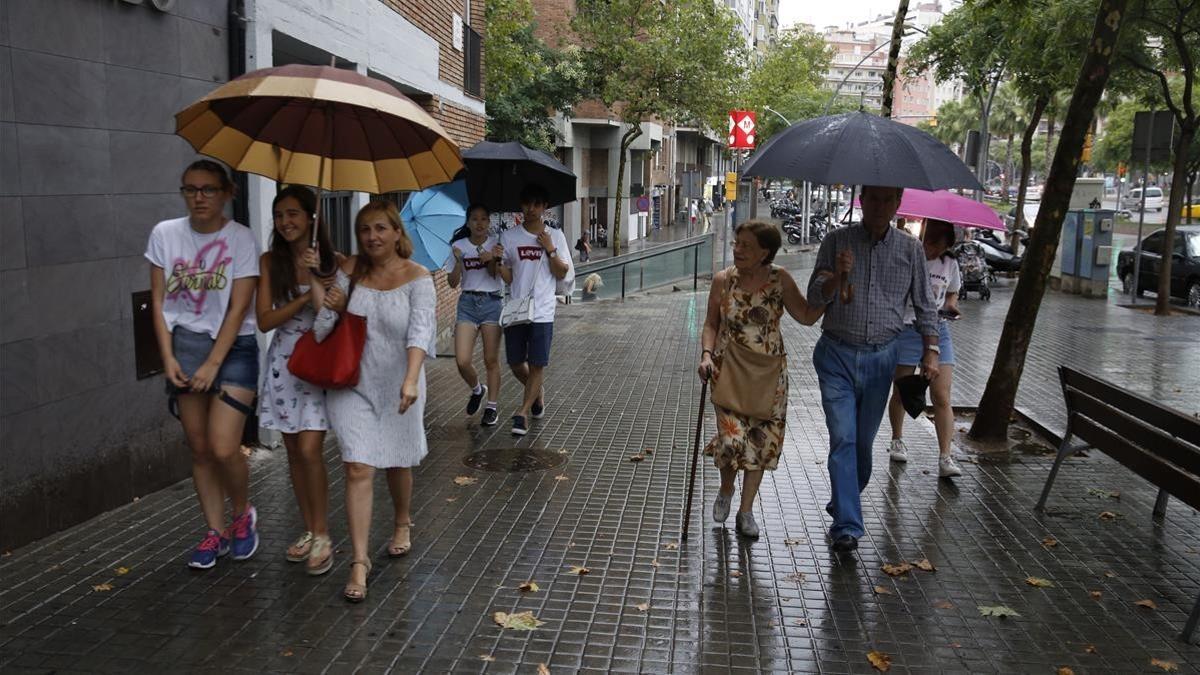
622	381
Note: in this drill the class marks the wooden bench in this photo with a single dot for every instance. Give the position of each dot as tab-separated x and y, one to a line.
1159	444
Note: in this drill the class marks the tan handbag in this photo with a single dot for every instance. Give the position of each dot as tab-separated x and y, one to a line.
747	381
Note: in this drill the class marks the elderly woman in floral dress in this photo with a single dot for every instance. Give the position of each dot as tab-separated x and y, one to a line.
745	305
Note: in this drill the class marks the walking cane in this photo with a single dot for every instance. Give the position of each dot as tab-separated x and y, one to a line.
687	512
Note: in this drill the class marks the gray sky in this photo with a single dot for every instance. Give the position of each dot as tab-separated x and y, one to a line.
831	12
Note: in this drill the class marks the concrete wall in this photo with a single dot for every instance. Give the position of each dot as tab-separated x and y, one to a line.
88	164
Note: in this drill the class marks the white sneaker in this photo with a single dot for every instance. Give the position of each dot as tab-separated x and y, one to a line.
898	451
948	468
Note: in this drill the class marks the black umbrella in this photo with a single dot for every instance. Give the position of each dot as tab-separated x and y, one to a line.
912	394
859	148
497	172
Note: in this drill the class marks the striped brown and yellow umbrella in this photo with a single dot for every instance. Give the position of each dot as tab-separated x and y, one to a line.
326	127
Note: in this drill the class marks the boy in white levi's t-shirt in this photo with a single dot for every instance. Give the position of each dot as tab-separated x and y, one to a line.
533	259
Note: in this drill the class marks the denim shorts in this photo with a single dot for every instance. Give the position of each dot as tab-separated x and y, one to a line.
239	369
528	343
479	308
910	347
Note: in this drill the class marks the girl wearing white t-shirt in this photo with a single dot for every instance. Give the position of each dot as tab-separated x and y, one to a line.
472	265
945	280
203	270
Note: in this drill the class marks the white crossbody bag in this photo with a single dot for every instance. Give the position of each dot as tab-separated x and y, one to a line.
517	311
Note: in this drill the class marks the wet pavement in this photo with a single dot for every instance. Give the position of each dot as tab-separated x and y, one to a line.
113	595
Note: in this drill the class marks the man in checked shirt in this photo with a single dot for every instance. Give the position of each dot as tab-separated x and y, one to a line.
866	274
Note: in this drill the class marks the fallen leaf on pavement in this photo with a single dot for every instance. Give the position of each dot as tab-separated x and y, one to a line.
543	670
520	621
943	604
792	542
645	606
1096	595
1091	649
647	451
1064	670
655	563
879	660
897	570
925	565
1107	515
529	587
487	658
1148	604
636	458
955	645
451	500
1169	666
1039	582
1049	542
121	570
882	590
671	546
576	569
796	577
998	611
735	574
1110	574
101	588
286	652
801	622
465	480
562	476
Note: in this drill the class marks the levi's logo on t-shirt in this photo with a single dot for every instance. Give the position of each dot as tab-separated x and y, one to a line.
473	264
530	252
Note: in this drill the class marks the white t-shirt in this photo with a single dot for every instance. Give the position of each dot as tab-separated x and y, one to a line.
530	265
944	278
200	270
475	273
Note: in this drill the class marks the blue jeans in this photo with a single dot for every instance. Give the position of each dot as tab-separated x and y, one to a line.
855	382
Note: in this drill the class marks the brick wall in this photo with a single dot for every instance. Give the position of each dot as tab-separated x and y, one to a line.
465	127
436	18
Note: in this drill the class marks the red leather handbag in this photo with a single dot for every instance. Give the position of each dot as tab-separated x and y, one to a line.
333	363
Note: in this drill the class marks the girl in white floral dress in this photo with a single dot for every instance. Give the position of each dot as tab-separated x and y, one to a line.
286	403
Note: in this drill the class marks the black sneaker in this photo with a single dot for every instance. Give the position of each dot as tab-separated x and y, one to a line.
476	399
490	417
844	544
519	428
538	409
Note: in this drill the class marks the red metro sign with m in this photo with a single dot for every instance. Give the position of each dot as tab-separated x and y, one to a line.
742	129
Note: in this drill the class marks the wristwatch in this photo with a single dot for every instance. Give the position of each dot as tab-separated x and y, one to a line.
552	253
933	348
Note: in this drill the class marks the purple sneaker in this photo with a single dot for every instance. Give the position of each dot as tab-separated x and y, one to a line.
245	534
211	547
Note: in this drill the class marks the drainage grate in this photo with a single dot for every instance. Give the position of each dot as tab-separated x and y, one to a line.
512	460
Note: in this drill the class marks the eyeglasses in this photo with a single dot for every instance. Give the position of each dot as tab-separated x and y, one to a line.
190	191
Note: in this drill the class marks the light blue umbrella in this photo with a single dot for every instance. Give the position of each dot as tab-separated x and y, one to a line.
431	217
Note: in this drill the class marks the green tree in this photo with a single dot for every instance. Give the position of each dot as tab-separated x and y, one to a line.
999	396
1008	120
676	61
1167	40
527	80
789	81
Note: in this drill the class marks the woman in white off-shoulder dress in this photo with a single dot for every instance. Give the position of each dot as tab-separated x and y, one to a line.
379	422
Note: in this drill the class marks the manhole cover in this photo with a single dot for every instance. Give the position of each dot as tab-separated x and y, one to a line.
514	459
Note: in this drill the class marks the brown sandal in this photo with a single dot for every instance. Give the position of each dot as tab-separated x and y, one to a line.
357	592
399	550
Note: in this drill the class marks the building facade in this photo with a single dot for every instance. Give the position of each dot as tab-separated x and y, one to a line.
766	26
89	163
859	62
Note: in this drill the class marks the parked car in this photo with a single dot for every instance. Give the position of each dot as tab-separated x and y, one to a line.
1185	264
1133	200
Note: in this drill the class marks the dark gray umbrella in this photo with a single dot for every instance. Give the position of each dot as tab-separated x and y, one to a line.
859	148
497	172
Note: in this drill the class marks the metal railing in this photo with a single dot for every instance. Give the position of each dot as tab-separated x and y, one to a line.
649	268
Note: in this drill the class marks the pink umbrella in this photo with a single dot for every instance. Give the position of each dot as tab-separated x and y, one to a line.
945	205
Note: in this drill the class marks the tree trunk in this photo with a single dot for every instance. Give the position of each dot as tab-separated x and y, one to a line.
889	76
1187	132
999	397
1007	170
627	140
1039	106
1050	134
